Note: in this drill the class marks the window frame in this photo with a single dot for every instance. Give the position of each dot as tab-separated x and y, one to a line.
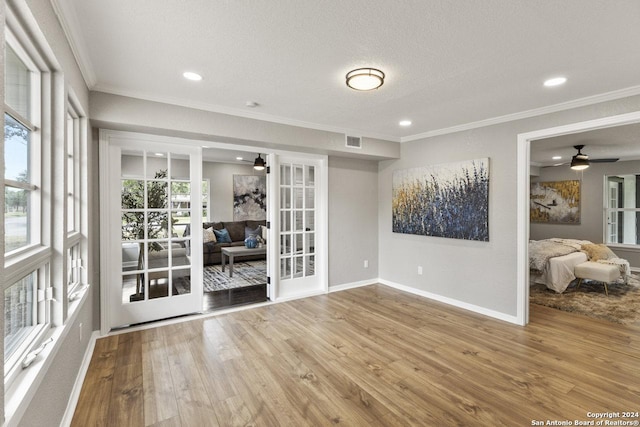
607	211
37	255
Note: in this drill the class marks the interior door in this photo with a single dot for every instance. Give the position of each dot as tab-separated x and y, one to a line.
302	227
153	193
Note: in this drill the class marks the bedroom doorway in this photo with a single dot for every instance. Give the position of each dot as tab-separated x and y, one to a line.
525	142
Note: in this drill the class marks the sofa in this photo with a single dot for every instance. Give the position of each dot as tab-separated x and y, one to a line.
211	251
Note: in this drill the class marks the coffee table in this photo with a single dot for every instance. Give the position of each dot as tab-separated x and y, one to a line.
238	251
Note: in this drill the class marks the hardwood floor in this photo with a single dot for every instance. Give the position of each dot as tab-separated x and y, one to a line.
370	356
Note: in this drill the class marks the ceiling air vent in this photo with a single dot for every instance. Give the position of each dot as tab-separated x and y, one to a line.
354	141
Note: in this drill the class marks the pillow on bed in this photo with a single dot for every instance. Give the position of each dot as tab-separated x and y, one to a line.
598	252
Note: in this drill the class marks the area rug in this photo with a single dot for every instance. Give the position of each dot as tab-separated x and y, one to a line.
244	274
621	306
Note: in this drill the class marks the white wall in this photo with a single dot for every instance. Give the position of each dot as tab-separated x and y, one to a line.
591	215
482	274
220	176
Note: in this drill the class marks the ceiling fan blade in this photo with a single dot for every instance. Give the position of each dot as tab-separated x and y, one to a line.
603	160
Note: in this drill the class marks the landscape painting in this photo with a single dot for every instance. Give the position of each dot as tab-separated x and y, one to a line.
448	200
555	202
249	197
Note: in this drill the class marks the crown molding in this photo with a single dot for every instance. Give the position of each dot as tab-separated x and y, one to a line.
240	113
71	26
576	103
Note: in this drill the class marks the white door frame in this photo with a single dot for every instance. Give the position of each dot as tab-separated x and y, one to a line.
110	251
523	182
276	293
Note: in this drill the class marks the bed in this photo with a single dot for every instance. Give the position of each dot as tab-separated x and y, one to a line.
552	261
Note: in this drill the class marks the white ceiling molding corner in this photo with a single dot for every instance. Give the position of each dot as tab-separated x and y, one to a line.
576	103
69	21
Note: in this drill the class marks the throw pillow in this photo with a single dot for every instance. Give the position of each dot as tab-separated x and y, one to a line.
264	231
208	236
598	252
222	236
252	232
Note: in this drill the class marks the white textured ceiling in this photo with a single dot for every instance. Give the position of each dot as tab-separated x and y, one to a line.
448	63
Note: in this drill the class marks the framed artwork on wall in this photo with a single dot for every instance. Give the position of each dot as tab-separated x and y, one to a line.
447	200
249	197
555	202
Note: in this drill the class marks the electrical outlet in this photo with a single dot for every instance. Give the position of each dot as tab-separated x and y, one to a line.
80	331
366	263
420	270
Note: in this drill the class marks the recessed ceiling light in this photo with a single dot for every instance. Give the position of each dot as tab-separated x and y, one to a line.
159	154
239	158
189	75
405	123
556	157
556	81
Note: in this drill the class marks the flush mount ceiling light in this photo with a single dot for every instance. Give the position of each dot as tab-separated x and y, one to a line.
189	75
579	161
365	79
556	158
556	81
405	123
259	163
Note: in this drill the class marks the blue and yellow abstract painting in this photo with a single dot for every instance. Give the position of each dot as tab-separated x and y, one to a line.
448	200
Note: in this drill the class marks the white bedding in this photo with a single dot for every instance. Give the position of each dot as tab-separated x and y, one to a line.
558	273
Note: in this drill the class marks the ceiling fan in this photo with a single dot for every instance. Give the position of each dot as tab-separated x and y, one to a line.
581	161
258	164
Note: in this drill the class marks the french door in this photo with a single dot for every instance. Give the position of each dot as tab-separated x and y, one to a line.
149	271
301	217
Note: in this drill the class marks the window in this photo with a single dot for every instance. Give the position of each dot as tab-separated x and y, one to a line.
21	194
27	255
73	171
622	209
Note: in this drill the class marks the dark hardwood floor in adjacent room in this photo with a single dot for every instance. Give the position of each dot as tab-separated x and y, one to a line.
371	356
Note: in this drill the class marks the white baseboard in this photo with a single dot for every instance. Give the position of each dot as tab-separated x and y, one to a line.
77	386
451	301
345	286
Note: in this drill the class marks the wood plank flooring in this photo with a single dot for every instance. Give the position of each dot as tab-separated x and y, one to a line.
371	356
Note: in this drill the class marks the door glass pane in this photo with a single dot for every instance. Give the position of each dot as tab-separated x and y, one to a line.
298	248
310	264
297	197
298	267
285	198
310	176
132	194
132	287
131	257
158	223
133	225
181	281
157	165
310	223
179	222
298	216
285	221
310	243
285	175
285	244
285	268
310	198
157	193
297	176
180	167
